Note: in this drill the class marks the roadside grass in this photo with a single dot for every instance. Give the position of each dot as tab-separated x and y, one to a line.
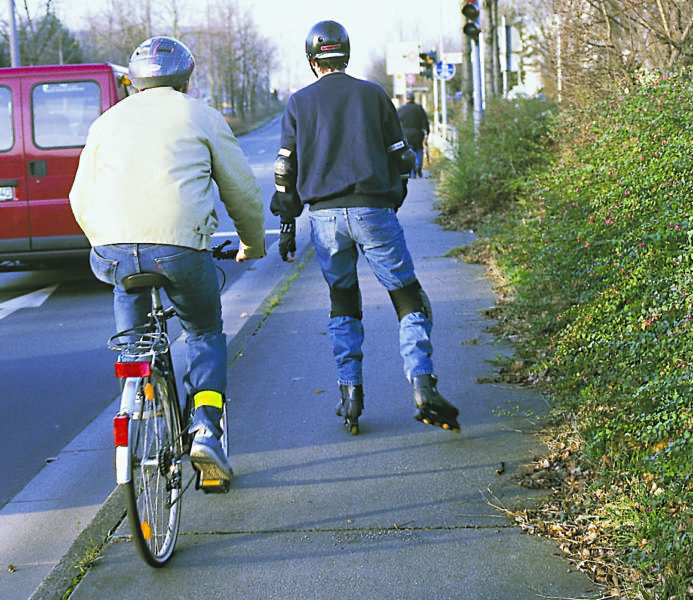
591	243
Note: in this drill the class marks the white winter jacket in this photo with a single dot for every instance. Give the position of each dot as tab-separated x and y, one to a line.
150	172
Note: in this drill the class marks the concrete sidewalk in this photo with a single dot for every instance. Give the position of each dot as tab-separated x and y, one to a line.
401	511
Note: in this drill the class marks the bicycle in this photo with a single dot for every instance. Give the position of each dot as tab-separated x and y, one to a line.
151	431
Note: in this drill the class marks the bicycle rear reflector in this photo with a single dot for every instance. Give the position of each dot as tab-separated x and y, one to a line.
133	369
120	429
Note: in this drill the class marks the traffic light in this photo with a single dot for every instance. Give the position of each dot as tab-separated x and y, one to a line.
470	10
427	60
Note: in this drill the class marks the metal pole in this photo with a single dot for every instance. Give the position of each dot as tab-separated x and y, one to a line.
443	94
505	51
476	75
436	111
14	42
559	59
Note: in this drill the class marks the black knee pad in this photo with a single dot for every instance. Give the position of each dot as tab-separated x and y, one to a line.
411	298
346	302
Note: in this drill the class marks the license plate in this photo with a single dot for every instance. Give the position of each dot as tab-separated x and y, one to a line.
6	193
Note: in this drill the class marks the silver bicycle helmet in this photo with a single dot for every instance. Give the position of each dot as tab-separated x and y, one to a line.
161	61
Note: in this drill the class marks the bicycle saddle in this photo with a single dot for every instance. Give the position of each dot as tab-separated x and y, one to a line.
139	281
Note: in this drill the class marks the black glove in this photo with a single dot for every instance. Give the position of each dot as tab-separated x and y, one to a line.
287	241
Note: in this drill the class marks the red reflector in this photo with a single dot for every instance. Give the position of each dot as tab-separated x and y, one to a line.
120	429
133	369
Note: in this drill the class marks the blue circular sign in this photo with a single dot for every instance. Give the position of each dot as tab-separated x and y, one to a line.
444	70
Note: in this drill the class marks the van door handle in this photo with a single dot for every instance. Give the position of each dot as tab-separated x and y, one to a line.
37	168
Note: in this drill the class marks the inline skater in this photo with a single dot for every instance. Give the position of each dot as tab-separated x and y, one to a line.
344	155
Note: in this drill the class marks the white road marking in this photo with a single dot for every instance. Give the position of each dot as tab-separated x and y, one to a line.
30	300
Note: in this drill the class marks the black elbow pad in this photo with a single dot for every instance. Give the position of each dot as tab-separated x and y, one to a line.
407	157
285	171
407	161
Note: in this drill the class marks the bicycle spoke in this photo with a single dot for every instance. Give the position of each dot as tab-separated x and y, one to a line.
155	488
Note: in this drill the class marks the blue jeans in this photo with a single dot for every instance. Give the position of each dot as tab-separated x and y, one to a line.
338	234
194	292
419	163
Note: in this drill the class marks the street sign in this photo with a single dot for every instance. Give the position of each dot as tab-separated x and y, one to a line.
445	71
402	57
399	85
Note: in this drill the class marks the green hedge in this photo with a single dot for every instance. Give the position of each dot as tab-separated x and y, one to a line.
594	233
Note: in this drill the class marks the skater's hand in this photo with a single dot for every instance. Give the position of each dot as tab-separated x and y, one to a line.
287	241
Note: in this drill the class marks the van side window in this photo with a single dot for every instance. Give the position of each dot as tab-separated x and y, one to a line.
63	112
6	125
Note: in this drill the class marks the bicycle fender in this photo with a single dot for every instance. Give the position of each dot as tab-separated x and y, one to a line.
127	406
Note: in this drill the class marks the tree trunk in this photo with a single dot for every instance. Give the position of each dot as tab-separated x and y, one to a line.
490	41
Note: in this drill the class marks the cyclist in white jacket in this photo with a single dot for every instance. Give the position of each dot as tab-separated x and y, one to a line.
150	172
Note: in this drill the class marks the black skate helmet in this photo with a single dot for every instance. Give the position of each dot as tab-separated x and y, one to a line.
161	61
327	39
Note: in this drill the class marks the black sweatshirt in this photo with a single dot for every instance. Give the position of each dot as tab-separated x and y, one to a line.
347	140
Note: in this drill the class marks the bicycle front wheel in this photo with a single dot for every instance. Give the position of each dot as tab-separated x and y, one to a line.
154	491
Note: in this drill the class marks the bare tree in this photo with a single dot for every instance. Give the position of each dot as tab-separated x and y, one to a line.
42	38
588	47
492	77
113	34
233	61
669	24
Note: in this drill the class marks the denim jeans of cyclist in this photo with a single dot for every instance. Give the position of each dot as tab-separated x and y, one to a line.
338	234
194	292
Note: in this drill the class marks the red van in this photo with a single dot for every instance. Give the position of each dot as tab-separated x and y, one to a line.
45	113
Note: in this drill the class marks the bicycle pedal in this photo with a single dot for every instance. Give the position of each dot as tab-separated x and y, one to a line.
215	486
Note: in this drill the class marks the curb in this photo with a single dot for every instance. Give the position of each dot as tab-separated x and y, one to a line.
97	533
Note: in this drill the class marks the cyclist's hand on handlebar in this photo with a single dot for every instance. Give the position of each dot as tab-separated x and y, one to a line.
287	241
240	257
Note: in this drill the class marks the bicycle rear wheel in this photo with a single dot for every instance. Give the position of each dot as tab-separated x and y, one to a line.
154	491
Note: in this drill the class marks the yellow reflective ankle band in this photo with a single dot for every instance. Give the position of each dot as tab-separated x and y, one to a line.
209	398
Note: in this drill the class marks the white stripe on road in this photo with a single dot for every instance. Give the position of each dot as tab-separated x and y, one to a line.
37	298
234	234
31	300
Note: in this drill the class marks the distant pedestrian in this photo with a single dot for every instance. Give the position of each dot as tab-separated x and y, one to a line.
415	125
344	155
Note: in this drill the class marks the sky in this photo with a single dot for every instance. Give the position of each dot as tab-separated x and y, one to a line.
371	25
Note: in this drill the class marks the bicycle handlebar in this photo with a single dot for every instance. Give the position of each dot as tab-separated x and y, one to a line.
220	254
